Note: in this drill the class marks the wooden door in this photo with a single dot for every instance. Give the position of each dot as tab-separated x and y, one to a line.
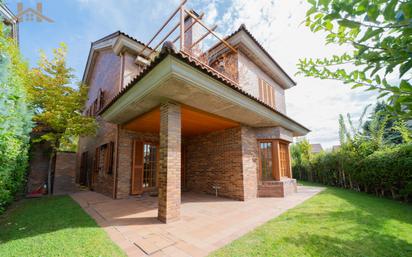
83	169
137	168
284	160
96	168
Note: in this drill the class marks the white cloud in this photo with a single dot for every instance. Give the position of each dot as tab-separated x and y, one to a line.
278	26
275	23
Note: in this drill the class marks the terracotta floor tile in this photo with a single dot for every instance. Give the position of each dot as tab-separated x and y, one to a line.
207	222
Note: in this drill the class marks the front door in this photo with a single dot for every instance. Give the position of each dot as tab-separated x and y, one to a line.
144	167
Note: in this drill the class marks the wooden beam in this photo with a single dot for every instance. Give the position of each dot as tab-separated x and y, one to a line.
186	29
182	27
213	33
202	37
164	38
163	26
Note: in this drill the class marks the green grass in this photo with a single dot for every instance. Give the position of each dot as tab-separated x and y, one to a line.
52	226
336	222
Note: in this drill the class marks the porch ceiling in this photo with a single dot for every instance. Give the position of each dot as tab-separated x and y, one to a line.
194	122
173	79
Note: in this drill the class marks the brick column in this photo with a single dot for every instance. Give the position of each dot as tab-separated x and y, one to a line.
170	163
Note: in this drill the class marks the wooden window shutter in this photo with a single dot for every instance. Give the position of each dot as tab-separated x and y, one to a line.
96	160
266	93
109	158
137	168
101	99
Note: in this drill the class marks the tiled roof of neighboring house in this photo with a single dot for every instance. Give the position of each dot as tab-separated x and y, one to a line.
243	28
169	50
316	148
335	147
5	13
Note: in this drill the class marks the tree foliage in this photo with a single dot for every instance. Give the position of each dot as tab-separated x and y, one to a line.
15	119
368	160
380	35
57	103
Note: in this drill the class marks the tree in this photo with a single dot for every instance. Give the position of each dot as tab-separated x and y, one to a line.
395	130
58	104
380	34
15	118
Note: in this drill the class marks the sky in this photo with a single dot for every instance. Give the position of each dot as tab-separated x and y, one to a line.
276	24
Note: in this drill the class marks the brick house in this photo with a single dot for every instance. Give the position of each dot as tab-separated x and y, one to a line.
175	119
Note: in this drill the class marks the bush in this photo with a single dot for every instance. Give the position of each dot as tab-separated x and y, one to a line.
15	120
362	167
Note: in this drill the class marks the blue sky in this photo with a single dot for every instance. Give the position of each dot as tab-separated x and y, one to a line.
275	23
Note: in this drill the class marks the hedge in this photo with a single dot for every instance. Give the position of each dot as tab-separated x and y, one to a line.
386	172
15	120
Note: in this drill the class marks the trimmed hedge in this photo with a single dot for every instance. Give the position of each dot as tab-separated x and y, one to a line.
385	172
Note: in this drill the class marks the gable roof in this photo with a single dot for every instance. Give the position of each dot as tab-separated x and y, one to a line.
36	13
316	148
288	82
114	42
7	14
169	50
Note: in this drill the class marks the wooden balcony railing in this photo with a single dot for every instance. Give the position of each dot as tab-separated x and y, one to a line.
224	65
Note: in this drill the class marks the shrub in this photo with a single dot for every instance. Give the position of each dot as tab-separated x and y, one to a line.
362	167
15	120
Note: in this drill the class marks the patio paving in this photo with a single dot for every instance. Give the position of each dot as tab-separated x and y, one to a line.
207	222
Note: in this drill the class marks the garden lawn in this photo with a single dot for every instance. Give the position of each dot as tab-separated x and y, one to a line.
52	226
336	222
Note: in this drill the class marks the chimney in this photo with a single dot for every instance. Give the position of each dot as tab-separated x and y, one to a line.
192	34
39	8
19	8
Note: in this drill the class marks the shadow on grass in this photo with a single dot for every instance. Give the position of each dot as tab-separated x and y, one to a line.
363	225
33	217
323	245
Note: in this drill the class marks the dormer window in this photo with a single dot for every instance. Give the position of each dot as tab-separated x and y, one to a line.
266	93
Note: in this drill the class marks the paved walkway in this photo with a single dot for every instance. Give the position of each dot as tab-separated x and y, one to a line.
207	222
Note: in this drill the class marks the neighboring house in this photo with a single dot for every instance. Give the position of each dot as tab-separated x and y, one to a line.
335	148
316	148
9	20
175	123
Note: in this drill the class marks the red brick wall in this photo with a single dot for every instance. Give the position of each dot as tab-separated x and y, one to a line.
215	158
64	174
105	75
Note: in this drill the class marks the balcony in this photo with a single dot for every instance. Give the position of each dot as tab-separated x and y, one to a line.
193	38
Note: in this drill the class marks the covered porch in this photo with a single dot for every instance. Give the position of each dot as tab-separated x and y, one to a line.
203	132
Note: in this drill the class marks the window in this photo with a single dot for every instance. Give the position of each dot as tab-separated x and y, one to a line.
149	165
274	162
97	104
104	158
266	93
266	160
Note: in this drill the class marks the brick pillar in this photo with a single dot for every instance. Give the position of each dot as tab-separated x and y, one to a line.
170	162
